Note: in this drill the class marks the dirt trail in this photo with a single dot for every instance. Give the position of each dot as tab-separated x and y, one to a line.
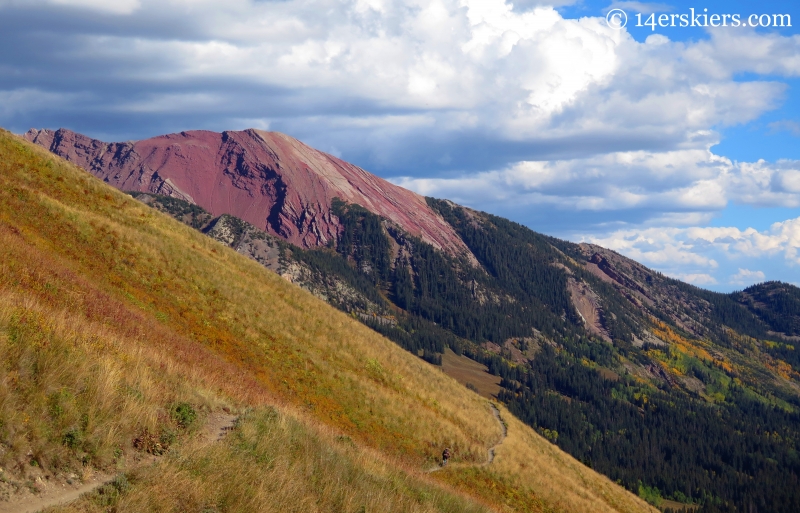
54	495
496	414
217	426
490	451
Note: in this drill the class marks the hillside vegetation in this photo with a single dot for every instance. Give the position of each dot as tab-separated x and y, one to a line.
122	330
676	392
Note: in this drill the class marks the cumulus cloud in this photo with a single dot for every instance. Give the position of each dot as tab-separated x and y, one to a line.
746	277
659	247
699	279
400	87
523	5
641	7
703	255
689	245
672	187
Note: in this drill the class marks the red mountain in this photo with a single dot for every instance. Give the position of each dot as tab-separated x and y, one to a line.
269	179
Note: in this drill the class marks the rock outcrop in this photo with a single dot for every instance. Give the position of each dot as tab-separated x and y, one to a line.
269	179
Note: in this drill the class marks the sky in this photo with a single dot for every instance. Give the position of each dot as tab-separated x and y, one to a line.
672	139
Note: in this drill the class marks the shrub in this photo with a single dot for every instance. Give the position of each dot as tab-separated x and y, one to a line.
71	439
184	415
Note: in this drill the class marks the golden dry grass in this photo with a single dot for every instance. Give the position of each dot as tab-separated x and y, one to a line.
273	462
110	312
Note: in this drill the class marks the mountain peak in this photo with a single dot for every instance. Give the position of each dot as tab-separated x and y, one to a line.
269	179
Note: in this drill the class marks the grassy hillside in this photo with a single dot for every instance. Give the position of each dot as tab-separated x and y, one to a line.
119	324
644	409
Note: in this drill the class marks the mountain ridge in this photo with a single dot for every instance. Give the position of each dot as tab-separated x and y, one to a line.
254	175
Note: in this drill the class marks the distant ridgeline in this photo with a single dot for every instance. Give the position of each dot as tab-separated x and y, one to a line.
675	392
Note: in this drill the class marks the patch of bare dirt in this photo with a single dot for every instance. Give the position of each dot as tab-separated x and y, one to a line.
608	374
517	350
693	384
217	426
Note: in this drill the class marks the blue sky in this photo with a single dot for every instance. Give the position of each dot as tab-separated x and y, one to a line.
675	146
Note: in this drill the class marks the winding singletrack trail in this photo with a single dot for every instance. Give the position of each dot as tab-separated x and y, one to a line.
496	414
217	426
491	450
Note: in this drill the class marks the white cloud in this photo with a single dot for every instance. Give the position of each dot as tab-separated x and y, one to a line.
734	51
696	278
640	7
519	76
687	244
522	5
698	254
688	184
746	277
660	247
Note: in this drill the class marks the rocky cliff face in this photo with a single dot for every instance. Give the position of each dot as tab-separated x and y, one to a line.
269	179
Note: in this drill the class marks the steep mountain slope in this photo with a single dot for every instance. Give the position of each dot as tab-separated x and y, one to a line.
268	179
121	330
652	393
672	390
